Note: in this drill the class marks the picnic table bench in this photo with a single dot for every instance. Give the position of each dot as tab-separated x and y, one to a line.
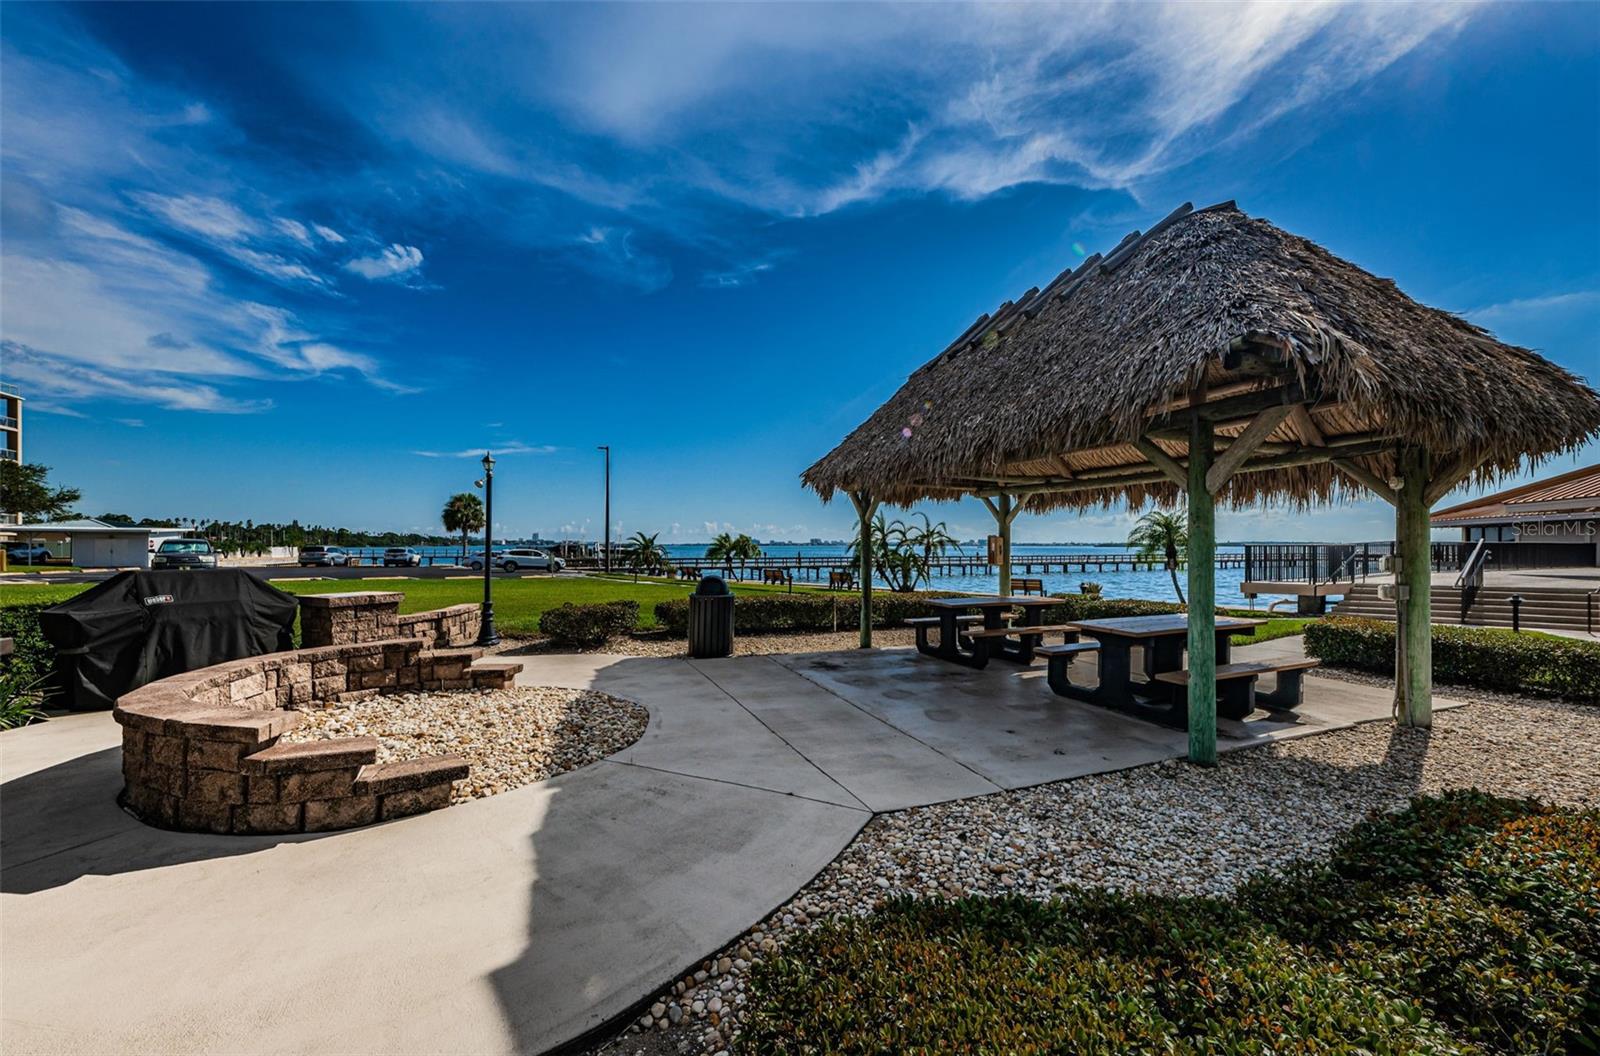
961	643
1162	641
1237	696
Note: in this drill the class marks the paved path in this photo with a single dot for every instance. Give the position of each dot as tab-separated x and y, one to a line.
518	922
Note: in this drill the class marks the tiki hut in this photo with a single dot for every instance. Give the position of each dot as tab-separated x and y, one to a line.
1216	358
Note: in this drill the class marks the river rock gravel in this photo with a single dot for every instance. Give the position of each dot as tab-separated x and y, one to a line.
1167	828
511	737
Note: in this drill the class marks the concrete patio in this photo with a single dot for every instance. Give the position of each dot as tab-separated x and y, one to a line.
517	923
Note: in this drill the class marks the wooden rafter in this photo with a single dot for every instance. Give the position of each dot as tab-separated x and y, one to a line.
1255	434
1364	476
1305	426
1163	461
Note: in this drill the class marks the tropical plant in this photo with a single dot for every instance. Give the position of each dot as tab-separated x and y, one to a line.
727	548
1089	588
903	553
22	696
645	554
1164	535
464	514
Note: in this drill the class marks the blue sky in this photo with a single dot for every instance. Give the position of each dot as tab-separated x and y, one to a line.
308	261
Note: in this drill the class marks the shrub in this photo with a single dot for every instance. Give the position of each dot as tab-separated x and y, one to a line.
1483	657
34	657
589	625
1464	924
1093	973
22	697
767	613
1486	909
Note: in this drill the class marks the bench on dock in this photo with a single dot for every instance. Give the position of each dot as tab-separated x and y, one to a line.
841	580
1022	585
1059	659
775	575
1236	686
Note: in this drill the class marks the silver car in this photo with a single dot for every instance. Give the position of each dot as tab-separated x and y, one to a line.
522	559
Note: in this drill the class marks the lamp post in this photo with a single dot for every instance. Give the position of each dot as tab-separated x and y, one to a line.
607	558
486	631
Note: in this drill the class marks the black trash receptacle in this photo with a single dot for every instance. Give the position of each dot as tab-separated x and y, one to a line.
710	619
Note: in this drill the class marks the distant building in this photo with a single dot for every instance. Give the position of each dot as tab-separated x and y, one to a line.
10	435
1561	514
89	543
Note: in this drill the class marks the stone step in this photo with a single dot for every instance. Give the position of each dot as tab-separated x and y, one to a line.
310	756
381	779
493	674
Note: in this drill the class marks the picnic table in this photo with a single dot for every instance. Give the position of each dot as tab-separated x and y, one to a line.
1162	639
974	647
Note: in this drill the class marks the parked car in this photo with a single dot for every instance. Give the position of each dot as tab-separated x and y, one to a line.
184	553
37	554
402	556
521	559
325	556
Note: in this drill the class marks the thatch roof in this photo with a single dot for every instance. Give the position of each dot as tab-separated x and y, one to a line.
1048	393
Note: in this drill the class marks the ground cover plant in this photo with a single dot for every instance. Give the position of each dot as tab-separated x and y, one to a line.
1464	924
1482	657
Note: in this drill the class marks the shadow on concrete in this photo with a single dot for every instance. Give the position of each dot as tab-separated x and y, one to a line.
63	822
672	867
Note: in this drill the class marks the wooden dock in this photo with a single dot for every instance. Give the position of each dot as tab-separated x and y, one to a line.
815	568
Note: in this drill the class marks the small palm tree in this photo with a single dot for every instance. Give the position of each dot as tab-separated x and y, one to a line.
903	553
645	554
462	513
728	548
1164	535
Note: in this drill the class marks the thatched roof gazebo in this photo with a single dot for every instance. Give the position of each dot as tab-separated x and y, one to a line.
1221	358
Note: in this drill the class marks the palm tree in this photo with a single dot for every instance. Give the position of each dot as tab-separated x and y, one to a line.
1164	535
902	553
728	548
464	514
645	554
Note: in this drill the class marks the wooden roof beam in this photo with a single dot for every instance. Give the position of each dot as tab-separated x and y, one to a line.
1254	435
1168	465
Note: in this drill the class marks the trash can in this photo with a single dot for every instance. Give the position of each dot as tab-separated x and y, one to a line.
710	619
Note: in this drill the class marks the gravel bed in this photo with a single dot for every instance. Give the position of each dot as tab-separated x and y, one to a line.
511	737
1168	828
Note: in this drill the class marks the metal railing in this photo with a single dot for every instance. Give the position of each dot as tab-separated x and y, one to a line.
1588	607
1470	579
1313	563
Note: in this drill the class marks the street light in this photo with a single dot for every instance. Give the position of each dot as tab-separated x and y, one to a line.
607	449
486	631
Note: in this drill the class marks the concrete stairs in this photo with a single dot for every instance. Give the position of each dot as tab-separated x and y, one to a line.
1544	608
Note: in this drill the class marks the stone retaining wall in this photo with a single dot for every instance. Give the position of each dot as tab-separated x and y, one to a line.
201	751
453	626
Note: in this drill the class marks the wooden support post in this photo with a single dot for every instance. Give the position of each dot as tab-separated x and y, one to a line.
865	507
1413	629
1202	571
1005	508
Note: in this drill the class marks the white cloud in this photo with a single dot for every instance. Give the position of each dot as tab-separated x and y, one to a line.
211	218
515	447
394	262
328	234
1549	304
64	379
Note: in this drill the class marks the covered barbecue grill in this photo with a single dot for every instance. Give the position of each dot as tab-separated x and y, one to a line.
138	627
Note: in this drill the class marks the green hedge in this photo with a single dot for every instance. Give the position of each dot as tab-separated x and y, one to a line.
1483	657
589	625
767	613
34	656
1466	924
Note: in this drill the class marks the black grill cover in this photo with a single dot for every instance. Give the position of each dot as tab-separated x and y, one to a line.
138	627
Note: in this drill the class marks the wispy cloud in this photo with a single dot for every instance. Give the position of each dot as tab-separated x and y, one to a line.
1548	304
392	262
514	447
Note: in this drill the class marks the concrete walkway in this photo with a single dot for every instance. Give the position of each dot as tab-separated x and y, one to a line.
518	922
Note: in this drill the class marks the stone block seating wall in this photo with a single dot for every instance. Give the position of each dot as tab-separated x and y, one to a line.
456	625
200	750
341	619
